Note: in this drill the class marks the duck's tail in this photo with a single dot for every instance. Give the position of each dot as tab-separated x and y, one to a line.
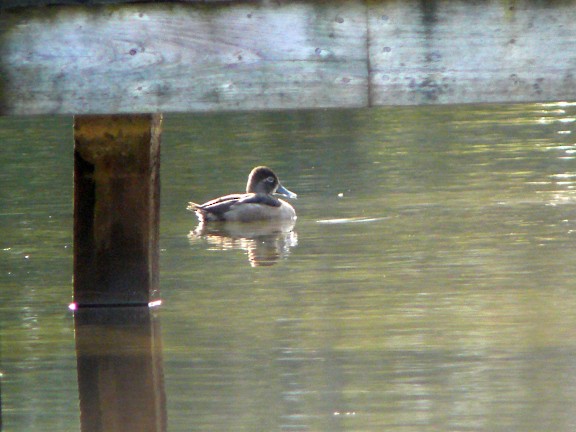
192	206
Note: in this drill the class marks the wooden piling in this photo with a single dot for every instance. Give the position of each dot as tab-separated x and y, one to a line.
116	209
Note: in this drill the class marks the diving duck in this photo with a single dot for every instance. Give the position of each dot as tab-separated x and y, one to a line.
258	203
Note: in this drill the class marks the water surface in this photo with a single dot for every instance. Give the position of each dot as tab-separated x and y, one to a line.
426	285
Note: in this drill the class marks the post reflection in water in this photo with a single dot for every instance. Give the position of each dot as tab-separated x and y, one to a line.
120	373
265	242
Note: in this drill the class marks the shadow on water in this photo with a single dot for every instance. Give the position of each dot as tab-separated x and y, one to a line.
120	370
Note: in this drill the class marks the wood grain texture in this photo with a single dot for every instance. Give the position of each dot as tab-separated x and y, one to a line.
266	55
150	58
448	51
116	209
13	4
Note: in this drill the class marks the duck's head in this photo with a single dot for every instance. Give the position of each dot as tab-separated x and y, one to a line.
262	180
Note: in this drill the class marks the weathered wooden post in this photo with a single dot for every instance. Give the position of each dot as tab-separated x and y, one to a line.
116	209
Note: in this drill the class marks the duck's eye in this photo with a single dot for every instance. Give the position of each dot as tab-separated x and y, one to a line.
270	179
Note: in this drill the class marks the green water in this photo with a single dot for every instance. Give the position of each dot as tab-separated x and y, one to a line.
428	284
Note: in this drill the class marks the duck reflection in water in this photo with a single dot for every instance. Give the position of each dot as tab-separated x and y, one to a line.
255	221
265	242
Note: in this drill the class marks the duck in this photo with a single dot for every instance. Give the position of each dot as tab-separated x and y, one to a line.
257	204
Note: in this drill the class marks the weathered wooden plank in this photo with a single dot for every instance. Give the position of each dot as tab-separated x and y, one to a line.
151	58
116	209
294	54
448	51
11	4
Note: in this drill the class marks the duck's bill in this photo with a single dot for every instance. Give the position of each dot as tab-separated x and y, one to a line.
283	191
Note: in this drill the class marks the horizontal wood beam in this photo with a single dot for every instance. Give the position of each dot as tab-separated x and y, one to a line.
215	56
13	4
